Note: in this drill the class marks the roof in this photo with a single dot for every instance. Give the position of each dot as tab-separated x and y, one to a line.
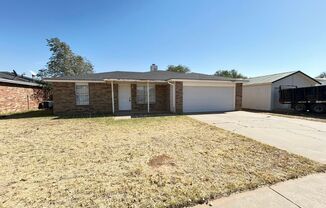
151	75
322	80
274	78
11	78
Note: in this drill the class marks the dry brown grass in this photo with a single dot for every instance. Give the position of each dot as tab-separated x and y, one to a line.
147	162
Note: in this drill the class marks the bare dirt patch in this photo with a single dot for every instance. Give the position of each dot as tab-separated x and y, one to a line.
101	162
160	160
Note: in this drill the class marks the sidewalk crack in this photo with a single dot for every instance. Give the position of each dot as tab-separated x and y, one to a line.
284	197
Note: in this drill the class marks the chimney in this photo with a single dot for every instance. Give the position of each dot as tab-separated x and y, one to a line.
154	67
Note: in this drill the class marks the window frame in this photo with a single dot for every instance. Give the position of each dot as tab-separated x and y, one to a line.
78	94
152	99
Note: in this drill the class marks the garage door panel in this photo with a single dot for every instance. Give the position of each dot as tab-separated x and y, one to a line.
206	99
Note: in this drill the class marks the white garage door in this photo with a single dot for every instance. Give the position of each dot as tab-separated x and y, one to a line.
208	99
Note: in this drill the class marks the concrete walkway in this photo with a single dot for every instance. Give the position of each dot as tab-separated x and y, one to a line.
306	192
303	137
299	136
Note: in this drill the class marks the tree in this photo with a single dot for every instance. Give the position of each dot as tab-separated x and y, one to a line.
322	75
178	68
63	62
229	73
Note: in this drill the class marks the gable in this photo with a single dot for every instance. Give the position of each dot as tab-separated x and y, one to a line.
298	79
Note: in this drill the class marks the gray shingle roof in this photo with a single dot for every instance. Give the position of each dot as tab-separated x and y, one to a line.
151	75
274	77
269	78
9	77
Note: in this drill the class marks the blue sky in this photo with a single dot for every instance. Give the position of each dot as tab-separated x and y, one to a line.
254	37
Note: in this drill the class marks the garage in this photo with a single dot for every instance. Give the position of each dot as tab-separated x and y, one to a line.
262	93
208	97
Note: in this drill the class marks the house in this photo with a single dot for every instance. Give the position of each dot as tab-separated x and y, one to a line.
145	92
18	93
262	93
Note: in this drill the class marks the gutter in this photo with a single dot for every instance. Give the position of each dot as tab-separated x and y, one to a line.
20	82
145	81
135	80
208	80
74	80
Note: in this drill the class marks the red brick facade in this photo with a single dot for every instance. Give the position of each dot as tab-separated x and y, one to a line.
238	96
19	98
100	102
179	97
162	99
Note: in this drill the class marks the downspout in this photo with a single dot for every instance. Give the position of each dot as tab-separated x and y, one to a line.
173	96
147	97
112	96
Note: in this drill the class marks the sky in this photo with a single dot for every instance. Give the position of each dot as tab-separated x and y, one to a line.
252	36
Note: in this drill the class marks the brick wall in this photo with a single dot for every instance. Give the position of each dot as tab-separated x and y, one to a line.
238	96
162	100
179	97
18	98
100	101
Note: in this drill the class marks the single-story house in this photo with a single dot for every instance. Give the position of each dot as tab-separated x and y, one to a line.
262	93
19	93
145	92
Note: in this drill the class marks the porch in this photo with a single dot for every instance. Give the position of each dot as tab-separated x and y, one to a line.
142	97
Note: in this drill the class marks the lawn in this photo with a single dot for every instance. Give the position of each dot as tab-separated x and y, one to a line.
144	162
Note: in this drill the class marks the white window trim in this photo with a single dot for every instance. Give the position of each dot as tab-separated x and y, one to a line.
144	85
76	93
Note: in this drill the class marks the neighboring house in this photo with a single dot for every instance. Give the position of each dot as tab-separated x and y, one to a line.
18	93
145	92
262	93
321	80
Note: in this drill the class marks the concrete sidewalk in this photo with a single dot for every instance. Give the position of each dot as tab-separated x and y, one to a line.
306	192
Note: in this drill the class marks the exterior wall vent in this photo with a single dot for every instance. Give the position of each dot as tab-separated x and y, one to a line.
154	67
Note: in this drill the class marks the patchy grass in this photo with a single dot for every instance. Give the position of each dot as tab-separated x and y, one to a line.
146	162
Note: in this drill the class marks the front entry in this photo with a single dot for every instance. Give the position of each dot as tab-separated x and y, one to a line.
124	97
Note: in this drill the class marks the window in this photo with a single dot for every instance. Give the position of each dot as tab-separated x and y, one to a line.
82	94
142	94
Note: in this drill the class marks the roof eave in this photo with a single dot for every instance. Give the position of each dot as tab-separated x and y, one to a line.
207	80
309	77
33	84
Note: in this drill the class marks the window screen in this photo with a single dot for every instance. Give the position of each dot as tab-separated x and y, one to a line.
82	94
142	94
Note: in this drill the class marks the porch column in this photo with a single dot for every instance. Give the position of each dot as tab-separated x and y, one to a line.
112	96
147	97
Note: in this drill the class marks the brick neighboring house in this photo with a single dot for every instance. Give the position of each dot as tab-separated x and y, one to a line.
19	93
144	92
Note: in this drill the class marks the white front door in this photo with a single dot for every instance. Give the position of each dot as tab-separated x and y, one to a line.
124	97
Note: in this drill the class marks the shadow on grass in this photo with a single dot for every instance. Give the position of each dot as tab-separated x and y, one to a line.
28	114
49	113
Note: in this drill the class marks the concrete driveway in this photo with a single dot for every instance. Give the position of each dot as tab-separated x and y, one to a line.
302	137
299	136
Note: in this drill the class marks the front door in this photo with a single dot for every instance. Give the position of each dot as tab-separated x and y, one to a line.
124	97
